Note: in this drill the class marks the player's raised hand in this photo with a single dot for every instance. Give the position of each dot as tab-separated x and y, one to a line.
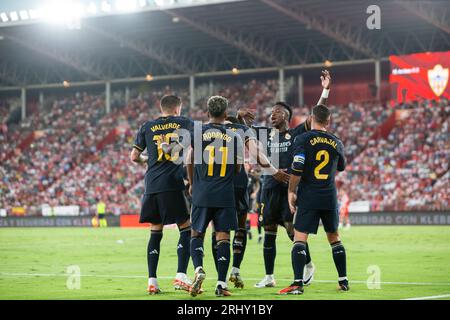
246	116
281	176
325	78
292	198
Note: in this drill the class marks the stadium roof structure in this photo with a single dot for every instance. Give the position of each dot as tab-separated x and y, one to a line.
212	38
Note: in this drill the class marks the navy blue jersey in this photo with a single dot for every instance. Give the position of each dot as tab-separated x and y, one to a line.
215	166
317	157
162	173
279	146
246	134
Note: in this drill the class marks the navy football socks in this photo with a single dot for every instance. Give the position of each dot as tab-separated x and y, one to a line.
214	249
223	259
308	255
298	256
197	251
270	251
183	249
339	258
239	245
153	249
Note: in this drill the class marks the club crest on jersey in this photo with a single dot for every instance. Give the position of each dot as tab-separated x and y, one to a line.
300	158
287	136
438	79
271	135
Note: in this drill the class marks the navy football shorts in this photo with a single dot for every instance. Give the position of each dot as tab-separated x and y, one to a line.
275	206
164	208
224	219
241	199
307	221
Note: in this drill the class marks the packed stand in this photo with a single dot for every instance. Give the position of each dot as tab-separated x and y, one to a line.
399	173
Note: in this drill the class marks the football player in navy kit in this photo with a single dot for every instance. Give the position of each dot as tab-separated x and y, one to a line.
274	196
164	201
216	158
318	154
242	197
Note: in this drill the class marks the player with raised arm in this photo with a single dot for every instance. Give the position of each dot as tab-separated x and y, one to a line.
274	196
242	197
163	201
313	197
215	158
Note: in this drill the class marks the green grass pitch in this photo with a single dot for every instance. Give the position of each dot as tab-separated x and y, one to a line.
413	262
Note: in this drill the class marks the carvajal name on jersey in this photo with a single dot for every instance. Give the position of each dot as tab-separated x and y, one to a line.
317	140
166	126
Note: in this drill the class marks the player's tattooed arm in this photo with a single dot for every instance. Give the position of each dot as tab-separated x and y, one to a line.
325	79
292	192
137	157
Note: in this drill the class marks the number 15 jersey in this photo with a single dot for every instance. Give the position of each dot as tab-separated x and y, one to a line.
317	156
162	173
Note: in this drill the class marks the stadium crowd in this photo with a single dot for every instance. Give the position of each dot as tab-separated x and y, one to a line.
398	173
80	154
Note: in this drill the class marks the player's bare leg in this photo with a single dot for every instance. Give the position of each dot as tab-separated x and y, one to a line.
153	250
182	282
298	256
223	262
239	245
270	251
339	258
197	250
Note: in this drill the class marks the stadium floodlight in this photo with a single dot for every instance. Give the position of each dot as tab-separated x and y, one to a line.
4	17
24	15
14	16
106	6
126	5
63	12
66	84
91	8
160	3
328	63
235	70
34	14
149	77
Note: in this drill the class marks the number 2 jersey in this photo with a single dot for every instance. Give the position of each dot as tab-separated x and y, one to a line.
162	173
317	157
216	155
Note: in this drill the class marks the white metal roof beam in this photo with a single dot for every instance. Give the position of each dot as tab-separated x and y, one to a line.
337	31
427	12
165	56
62	57
256	48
